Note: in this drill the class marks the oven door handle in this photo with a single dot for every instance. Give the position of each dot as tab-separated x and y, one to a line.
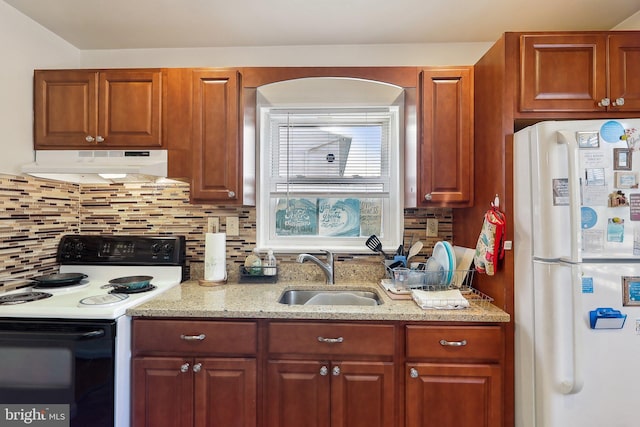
69	336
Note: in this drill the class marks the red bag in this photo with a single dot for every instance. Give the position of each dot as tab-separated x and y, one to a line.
490	246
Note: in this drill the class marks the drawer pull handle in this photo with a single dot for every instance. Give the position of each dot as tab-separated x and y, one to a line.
453	343
184	367
324	371
414	373
200	337
336	371
331	340
197	367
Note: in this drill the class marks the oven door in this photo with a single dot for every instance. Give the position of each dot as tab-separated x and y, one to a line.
60	362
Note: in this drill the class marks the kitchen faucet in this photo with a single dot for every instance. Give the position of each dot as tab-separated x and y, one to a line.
327	267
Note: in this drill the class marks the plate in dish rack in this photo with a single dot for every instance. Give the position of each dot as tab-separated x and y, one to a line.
444	254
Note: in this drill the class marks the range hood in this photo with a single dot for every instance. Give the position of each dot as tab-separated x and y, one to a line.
99	166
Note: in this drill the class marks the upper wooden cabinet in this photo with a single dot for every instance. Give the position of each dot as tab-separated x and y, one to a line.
445	164
91	109
590	72
217	148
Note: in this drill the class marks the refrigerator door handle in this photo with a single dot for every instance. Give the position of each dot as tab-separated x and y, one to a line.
575	220
567	336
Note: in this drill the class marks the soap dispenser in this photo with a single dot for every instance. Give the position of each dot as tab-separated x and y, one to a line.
269	264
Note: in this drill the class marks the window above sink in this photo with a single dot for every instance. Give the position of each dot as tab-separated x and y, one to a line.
330	174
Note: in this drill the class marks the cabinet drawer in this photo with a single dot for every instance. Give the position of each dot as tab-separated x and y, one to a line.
477	343
331	339
186	337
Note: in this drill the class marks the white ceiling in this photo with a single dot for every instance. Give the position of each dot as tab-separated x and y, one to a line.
126	24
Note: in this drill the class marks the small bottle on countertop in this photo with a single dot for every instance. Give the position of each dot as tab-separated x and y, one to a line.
269	263
253	264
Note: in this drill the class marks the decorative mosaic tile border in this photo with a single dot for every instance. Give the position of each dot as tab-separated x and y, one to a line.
36	213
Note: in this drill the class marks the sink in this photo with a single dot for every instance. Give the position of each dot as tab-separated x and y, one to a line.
329	297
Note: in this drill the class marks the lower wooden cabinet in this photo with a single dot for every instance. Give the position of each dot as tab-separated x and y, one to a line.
182	392
336	394
274	373
453	376
194	373
453	395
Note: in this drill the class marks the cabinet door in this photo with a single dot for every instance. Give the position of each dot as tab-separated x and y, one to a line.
624	78
446	153
130	107
297	394
453	395
563	72
225	392
217	153
162	392
65	108
362	394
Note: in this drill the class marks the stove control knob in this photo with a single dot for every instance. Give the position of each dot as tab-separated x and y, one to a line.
155	248
79	247
167	248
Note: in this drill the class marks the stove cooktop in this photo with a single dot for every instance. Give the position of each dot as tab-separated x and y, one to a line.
101	259
65	302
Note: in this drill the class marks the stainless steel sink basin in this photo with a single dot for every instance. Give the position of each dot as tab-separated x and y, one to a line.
329	297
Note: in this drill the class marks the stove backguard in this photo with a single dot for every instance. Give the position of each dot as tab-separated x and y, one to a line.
121	250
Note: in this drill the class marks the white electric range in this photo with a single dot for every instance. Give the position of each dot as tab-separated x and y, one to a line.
76	323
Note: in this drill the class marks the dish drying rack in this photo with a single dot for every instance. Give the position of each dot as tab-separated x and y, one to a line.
461	280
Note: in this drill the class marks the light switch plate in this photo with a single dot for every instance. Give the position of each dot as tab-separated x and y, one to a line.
233	226
432	227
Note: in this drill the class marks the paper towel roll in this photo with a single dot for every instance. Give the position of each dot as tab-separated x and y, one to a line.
215	256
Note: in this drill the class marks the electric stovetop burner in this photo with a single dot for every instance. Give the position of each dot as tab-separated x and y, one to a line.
23	297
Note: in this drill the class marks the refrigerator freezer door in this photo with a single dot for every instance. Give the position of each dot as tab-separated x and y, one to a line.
539	188
588	228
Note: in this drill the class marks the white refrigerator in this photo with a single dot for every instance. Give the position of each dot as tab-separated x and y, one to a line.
577	274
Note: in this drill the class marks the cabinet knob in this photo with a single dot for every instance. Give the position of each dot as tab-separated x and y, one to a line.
89	138
231	194
184	368
604	102
427	197
618	102
413	373
197	367
335	371
324	371
99	139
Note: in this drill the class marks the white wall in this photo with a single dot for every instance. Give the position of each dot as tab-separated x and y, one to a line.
631	23
24	47
289	56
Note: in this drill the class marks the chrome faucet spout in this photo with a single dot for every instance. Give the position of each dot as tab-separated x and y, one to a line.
327	267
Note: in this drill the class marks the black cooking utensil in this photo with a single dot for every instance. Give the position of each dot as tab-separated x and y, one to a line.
375	245
59	279
131	282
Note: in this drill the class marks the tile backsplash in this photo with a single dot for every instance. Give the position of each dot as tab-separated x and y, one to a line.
35	213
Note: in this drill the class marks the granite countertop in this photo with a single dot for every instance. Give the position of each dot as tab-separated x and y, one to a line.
260	301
